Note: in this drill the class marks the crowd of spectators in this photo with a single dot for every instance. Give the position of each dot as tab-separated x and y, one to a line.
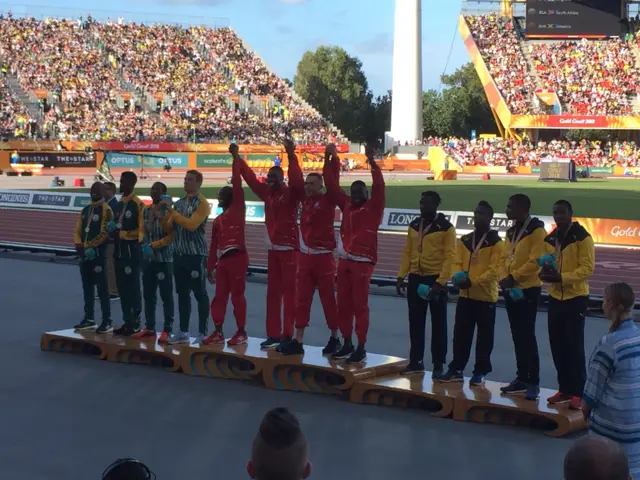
129	81
590	77
15	121
511	153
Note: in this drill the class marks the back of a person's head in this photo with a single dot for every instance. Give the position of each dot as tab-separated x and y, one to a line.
280	450
596	458
128	469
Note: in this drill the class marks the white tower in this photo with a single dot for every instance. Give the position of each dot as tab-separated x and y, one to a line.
406	108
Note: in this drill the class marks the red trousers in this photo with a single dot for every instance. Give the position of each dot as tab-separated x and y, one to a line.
282	269
316	271
353	297
231	278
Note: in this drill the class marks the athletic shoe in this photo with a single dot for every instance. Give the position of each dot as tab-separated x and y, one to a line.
199	339
163	338
332	346
437	371
575	403
113	298
240	338
293	347
345	352
283	344
359	356
413	367
516	386
123	330
85	325
105	327
270	343
144	333
558	398
477	380
176	338
215	338
533	393
451	376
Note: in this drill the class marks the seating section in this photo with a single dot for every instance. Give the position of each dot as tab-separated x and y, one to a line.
104	80
15	121
590	77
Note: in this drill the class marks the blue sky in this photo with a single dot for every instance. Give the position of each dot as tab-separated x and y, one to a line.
282	30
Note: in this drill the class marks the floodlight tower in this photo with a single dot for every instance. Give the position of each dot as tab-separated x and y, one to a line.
406	107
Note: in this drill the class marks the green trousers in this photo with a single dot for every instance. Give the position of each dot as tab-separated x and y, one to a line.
128	280
190	275
94	276
158	275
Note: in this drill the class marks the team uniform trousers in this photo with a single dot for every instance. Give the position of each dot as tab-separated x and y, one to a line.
158	276
317	271
282	288
127	267
231	279
190	274
353	297
470	313
93	274
522	320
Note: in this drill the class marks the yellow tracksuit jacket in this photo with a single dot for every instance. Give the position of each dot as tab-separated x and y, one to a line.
484	272
438	250
575	261
521	262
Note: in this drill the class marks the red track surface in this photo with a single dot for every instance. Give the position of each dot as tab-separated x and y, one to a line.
50	228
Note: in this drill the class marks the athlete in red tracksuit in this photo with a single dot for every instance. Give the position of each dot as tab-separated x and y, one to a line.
361	218
316	264
281	214
228	260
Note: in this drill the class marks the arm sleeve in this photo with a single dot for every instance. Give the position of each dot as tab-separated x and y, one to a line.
141	228
601	366
449	257
378	187
201	214
531	267
586	261
296	179
492	273
77	233
164	241
236	185
260	189
405	259
332	182
212	260
103	236
458	263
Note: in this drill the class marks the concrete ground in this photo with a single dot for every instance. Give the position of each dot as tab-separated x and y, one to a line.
67	417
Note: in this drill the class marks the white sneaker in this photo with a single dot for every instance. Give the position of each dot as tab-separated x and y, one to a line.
199	339
176	338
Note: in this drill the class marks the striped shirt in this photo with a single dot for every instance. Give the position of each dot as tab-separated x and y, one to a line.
155	233
190	239
612	390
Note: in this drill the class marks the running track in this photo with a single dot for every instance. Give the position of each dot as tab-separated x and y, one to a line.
55	229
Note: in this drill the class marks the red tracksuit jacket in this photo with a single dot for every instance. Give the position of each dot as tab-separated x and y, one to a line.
359	229
281	205
318	216
228	227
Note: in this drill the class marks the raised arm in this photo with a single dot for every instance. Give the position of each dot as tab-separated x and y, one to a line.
296	179
236	179
377	189
331	174
198	217
260	189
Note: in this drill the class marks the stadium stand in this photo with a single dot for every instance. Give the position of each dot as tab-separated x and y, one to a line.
15	121
129	81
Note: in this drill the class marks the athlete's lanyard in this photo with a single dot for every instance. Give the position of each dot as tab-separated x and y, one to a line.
558	254
87	228
423	232
475	248
121	217
516	240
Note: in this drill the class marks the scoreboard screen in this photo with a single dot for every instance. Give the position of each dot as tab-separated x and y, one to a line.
557	170
569	18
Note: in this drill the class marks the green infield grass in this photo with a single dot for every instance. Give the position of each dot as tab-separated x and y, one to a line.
595	198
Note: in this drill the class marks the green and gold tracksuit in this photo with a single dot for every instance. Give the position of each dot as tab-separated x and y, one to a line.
157	271
190	217
91	232
129	217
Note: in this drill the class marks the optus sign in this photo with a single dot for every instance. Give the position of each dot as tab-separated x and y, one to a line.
214	160
132	160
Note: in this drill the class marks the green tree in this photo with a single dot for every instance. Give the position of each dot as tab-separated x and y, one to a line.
333	82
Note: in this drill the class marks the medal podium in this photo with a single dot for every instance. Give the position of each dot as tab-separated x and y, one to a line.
374	382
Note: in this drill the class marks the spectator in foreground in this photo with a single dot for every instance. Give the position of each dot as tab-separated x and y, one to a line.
596	458
128	469
612	392
280	450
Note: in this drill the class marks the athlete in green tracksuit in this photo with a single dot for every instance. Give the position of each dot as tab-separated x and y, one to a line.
157	265
189	216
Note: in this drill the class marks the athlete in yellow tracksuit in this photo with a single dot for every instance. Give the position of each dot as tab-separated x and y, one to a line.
568	288
427	258
478	254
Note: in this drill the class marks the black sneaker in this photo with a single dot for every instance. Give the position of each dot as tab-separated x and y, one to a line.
359	356
270	343
113	298
533	393
293	347
437	371
332	346
413	367
105	327
85	325
124	331
283	344
515	387
345	352
451	376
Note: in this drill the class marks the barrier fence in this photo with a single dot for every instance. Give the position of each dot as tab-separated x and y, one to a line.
605	232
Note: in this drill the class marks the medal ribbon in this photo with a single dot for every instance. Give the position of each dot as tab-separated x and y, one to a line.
422	232
476	248
517	238
87	228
